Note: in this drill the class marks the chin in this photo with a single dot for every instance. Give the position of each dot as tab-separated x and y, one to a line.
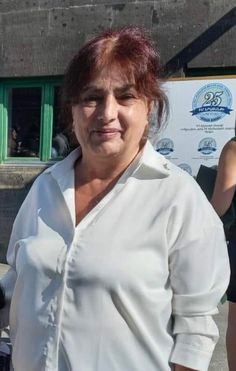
108	149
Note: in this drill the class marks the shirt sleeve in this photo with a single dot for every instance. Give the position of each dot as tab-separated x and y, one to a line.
23	226
199	275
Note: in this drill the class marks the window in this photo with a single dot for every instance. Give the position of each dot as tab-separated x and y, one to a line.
24	116
60	143
30	125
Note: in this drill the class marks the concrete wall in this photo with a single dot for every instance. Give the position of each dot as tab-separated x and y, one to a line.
39	37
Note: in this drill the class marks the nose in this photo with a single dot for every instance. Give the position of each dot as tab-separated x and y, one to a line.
109	109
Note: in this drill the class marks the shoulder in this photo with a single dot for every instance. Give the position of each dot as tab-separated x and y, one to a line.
186	209
180	187
61	168
160	168
182	179
55	175
229	148
228	154
188	198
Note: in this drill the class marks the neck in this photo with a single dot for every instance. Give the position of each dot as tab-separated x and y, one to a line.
104	169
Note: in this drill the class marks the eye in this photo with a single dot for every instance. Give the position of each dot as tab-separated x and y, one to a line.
91	100
126	98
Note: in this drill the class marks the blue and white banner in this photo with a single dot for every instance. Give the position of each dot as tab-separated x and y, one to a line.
202	119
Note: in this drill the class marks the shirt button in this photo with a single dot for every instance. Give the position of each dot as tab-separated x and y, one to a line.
45	350
166	166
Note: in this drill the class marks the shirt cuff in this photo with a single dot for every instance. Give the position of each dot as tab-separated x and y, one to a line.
193	351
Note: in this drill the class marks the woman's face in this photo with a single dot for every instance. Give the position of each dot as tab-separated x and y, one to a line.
110	118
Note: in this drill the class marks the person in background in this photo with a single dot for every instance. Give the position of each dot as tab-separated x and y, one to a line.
30	141
221	200
60	145
13	142
118	262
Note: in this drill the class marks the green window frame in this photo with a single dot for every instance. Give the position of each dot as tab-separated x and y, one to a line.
47	86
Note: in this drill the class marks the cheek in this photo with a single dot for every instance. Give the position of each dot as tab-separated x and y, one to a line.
82	120
87	116
137	117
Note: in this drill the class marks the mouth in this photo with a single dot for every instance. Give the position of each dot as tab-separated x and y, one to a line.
105	130
106	133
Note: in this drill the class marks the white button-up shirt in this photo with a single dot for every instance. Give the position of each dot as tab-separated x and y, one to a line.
131	288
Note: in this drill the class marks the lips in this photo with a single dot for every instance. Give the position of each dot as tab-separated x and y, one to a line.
105	131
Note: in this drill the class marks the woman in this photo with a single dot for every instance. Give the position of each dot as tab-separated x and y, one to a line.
221	200
110	252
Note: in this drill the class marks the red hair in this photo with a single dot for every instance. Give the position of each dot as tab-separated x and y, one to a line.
132	52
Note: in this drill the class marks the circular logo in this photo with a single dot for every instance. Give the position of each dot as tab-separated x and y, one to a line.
212	102
165	146
207	146
186	168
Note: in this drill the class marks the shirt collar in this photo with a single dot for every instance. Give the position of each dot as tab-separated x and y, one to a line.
63	171
150	163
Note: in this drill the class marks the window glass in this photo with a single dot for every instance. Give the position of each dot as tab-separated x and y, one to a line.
24	117
60	135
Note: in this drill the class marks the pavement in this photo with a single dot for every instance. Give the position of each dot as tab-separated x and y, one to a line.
219	359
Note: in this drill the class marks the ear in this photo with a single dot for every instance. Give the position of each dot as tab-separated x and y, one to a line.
73	112
150	106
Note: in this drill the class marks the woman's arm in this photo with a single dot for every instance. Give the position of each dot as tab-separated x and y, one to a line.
226	179
182	368
199	276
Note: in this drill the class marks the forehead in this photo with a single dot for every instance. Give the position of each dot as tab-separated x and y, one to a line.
110	79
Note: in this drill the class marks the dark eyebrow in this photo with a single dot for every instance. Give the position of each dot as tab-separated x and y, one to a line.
125	88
